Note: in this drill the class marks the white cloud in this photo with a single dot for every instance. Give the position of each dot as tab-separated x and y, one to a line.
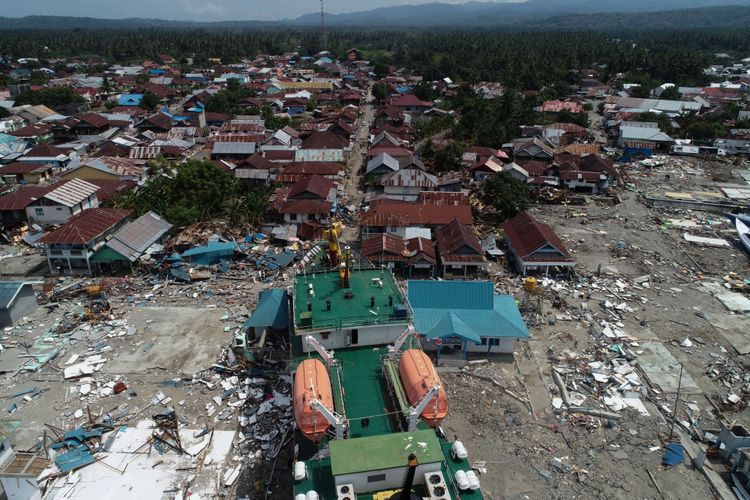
202	8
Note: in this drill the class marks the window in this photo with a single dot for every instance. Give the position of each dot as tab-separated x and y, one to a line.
59	209
39	211
292	216
324	335
484	340
376	478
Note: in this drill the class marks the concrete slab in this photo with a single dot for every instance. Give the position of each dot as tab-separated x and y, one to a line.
663	370
733	301
149	475
185	340
735	328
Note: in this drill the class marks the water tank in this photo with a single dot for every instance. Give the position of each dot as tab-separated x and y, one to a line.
312	495
299	496
300	471
461	480
458	450
473	480
529	284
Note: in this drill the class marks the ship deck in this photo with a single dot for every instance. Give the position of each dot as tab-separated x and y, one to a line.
371	412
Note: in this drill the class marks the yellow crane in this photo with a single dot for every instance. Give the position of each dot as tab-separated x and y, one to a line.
340	258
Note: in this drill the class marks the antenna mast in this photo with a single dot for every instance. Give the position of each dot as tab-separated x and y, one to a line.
322	26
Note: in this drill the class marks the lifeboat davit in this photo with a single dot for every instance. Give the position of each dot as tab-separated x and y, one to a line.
311	381
419	376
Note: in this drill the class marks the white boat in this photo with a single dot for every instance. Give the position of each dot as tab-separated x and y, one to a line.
744	232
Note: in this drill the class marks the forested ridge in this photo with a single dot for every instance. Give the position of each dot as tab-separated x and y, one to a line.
520	59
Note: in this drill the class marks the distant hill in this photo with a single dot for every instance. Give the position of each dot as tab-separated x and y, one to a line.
532	12
612	15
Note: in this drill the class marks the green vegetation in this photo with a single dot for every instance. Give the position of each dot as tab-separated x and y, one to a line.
525	60
150	101
227	101
506	194
50	96
196	191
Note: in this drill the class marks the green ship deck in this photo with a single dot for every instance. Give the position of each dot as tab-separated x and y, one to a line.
349	307
365	396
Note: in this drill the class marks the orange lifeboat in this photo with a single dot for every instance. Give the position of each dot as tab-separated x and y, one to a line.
419	376
311	381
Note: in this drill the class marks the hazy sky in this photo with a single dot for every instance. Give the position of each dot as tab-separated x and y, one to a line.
196	10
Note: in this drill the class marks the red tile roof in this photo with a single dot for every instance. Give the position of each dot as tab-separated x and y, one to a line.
95	120
109	189
33	130
44	151
324	140
279	155
442	198
557	106
384	247
409	100
315	185
527	235
86	226
395	152
454	237
314	167
23	167
305	207
421	249
404	214
256	161
21	198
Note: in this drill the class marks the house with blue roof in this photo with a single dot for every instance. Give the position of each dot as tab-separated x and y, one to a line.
271	316
130	100
211	253
455	318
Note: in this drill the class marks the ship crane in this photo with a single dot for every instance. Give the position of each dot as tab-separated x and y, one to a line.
324	353
416	411
396	346
338	422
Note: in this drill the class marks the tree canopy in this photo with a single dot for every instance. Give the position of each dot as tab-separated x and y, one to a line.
506	194
49	96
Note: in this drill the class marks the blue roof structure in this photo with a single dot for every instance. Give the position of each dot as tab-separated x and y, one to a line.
272	310
130	100
466	309
211	253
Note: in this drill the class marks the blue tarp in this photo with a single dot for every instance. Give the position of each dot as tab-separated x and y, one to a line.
675	454
211	253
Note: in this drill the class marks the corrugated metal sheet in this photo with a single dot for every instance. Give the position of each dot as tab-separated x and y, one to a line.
233	148
72	192
272	310
133	239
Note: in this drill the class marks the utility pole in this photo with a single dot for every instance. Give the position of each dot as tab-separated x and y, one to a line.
322	26
676	400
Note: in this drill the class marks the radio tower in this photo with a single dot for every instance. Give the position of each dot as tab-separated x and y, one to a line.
322	26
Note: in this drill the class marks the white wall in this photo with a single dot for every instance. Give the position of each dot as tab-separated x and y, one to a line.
368	335
394	478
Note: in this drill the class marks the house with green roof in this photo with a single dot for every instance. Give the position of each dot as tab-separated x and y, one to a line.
455	318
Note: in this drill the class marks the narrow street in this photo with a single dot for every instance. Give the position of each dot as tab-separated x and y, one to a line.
355	167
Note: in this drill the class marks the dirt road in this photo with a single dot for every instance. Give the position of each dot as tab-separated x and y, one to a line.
355	167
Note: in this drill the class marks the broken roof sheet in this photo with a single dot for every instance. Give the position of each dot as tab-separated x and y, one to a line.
133	239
